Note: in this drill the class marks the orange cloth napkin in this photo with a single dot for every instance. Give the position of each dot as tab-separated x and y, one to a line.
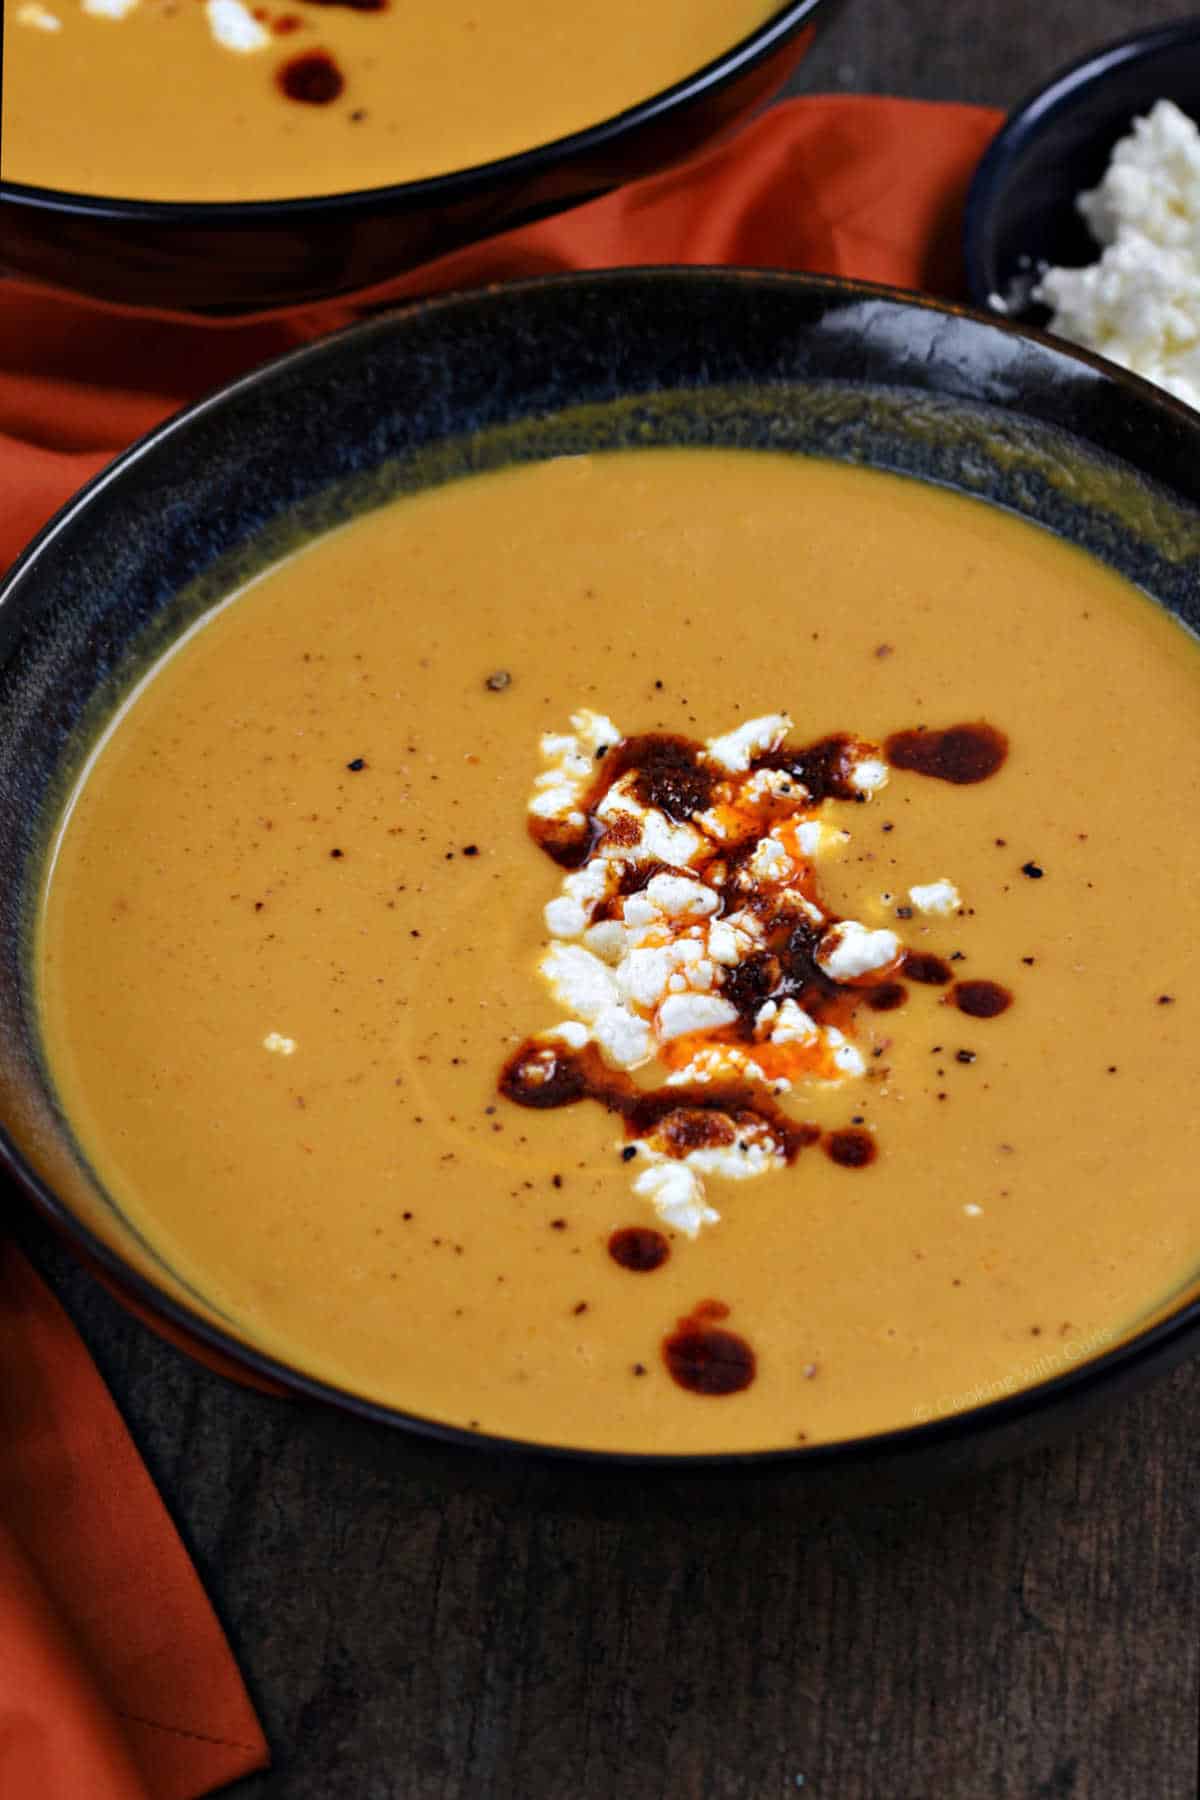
115	1680
846	186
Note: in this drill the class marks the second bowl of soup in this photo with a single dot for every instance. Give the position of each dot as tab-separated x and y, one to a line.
317	148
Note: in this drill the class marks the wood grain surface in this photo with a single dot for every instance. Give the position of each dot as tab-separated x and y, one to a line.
1035	1634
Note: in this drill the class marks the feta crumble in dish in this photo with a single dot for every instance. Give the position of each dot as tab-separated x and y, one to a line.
1139	305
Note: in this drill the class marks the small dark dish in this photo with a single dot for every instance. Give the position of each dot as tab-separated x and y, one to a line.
861	374
232	258
1021	213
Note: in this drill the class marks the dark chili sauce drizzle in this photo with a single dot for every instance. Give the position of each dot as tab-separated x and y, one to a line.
704	1357
639	1248
544	1073
671	775
313	78
962	753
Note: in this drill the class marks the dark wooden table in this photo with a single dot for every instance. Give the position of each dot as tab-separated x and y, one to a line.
1036	1634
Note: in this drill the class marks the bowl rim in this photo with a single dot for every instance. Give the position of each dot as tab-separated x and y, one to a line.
1057	93
453	185
1143	1346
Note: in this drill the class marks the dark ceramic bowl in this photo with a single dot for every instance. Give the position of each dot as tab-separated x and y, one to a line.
218	258
861	374
1021	214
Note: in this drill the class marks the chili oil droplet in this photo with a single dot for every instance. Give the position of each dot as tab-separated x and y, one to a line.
851	1149
887	996
961	753
313	78
919	965
981	999
706	1359
639	1248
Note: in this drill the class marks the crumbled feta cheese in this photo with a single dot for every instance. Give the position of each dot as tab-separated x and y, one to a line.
724	943
279	1045
579	981
565	917
678	897
682	1013
644	974
595	731
721	1062
657	967
792	1025
848	950
606	940
800	902
869	775
571	1033
772	784
1140	303
736	749
40	17
640	911
847	1059
747	925
667	843
677	1196
623	1039
657	838
234	26
935	897
770	861
109	9
555	799
589	884
740	1161
572	756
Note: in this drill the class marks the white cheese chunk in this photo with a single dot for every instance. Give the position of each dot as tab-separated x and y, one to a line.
679	897
770	862
606	939
792	1025
677	1196
682	1013
565	917
624	1040
736	750
579	981
935	897
235	28
39	17
849	949
1140	303
869	775
571	1033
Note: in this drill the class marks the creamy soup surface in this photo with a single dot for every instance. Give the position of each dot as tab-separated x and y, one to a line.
215	100
295	927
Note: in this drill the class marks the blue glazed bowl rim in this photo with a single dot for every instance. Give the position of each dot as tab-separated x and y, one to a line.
1149	1345
1027	119
435	190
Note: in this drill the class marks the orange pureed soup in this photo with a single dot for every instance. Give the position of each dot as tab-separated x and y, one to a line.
669	950
219	100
